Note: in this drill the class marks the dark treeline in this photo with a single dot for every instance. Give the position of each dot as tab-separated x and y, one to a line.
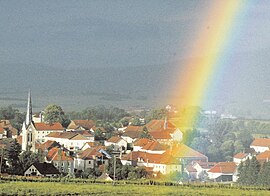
251	172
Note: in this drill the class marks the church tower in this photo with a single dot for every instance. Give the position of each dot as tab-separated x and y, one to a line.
28	128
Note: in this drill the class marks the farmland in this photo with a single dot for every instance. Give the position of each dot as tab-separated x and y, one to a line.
62	188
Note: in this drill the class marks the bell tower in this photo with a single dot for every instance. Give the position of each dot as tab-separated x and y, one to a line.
28	130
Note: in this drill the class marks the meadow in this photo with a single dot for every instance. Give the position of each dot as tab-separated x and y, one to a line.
68	188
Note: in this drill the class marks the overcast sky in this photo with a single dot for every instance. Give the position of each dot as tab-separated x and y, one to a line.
112	33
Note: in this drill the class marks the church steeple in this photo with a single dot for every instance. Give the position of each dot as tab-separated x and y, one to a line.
28	119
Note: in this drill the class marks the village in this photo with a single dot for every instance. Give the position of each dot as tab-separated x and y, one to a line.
154	150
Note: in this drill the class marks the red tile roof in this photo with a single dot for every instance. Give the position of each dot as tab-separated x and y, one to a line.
57	154
141	142
264	156
133	128
240	155
115	139
46	126
132	134
154	146
48	145
224	167
158	125
183	151
150	158
165	134
91	153
67	135
264	142
205	165
86	124
189	168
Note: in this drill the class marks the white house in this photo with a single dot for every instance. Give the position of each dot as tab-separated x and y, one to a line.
260	144
223	172
140	143
70	140
163	163
241	157
41	169
90	158
117	142
43	129
61	160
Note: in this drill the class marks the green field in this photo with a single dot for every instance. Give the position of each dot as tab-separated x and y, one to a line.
58	188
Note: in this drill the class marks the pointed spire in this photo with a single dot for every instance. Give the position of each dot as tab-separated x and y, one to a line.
28	119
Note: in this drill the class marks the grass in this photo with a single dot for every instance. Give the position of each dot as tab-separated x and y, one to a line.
58	188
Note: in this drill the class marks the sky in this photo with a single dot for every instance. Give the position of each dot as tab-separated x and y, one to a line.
111	33
104	33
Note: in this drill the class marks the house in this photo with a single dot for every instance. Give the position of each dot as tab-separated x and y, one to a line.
89	145
90	158
88	134
132	133
163	163
43	129
186	154
42	169
241	157
167	136
71	140
61	160
164	132
140	143
76	125
191	172
202	168
154	147
260	144
117	142
10	131
263	157
223	172
159	125
46	146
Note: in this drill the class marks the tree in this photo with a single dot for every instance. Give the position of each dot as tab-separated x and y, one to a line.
264	174
54	113
136	121
124	121
12	155
145	133
7	113
253	171
27	158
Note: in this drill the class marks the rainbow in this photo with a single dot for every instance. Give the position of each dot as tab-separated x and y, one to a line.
209	52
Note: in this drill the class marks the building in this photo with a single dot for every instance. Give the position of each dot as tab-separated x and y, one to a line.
241	157
260	144
42	169
61	160
117	142
71	140
33	133
80	125
223	172
90	158
28	129
10	131
43	129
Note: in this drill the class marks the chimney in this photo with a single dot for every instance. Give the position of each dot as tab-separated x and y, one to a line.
165	123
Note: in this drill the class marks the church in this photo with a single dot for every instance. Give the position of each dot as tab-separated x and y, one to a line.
33	133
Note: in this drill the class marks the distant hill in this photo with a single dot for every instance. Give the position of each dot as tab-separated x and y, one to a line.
241	90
